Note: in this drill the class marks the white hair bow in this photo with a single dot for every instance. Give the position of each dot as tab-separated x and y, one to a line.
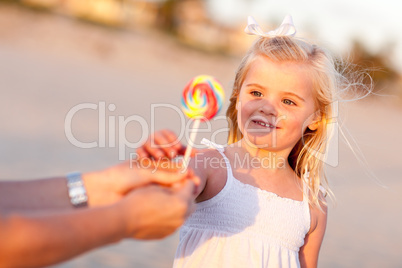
285	29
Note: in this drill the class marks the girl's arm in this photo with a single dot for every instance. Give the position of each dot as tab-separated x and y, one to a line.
206	166
308	254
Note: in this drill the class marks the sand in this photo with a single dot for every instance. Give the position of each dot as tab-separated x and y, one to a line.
49	64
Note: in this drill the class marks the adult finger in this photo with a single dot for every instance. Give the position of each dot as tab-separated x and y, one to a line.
162	142
142	153
151	149
172	138
167	177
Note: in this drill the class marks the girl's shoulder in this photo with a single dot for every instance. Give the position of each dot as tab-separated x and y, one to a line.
207	156
208	161
216	158
210	166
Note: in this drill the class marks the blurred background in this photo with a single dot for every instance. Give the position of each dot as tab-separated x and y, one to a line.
56	54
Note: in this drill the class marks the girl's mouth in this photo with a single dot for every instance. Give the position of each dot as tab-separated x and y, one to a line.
263	124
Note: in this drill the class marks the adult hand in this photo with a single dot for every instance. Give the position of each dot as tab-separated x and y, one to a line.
52	236
163	143
110	185
154	211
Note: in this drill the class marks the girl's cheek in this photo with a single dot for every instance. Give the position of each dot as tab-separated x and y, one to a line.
248	105
300	122
243	113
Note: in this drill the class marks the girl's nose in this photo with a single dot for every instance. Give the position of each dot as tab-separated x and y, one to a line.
268	108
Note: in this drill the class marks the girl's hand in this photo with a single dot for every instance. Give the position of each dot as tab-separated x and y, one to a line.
110	185
161	144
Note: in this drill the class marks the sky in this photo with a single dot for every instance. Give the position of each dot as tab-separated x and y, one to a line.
333	22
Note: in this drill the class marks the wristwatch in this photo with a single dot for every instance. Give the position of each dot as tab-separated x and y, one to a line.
76	190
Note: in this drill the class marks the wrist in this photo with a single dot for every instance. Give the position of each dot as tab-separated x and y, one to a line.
130	209
101	188
89	180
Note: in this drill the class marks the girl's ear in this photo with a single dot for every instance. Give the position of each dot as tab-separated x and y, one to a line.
316	122
314	125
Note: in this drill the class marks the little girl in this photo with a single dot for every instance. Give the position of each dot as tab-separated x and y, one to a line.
259	201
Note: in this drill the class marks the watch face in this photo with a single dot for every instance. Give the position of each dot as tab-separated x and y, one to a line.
76	190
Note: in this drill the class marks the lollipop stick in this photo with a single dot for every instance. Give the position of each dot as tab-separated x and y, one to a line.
187	154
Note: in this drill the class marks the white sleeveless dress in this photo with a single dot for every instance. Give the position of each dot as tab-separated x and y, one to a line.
243	226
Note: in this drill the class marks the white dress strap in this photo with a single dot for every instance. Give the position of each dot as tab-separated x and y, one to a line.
221	150
213	145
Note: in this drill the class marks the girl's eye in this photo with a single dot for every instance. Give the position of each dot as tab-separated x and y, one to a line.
256	93
288	102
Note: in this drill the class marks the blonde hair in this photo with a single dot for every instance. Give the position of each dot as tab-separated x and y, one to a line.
306	158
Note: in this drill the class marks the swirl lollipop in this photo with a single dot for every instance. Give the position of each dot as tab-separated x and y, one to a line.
202	99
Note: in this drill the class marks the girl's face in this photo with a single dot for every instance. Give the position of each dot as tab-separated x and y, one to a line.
275	104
